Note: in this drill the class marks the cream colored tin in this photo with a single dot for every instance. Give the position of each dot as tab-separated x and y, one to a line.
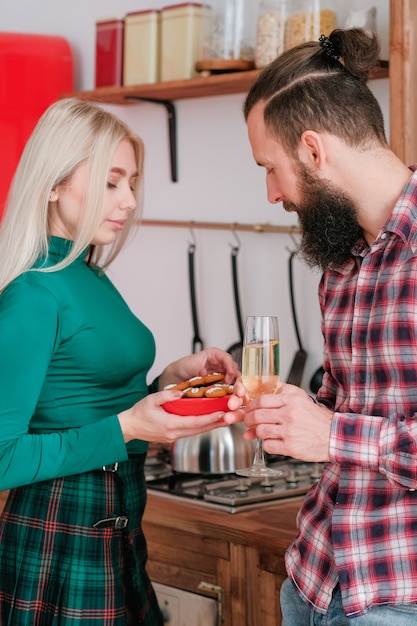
182	34
141	47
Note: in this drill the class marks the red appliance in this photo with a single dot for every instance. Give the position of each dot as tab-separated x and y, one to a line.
35	70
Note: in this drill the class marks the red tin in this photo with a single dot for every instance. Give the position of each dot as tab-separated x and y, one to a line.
109	53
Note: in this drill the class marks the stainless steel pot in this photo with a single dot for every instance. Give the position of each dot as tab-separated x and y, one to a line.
218	451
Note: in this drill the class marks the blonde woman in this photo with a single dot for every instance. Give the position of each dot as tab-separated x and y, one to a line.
76	411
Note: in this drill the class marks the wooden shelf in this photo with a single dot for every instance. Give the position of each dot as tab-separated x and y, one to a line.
215	85
165	92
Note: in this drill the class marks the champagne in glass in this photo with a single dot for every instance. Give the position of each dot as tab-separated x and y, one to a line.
260	374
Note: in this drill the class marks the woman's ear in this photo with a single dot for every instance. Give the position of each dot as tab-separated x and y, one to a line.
53	196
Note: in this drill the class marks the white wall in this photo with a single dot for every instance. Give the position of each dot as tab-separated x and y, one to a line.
218	181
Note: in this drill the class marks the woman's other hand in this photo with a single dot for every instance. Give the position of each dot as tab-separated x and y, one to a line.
207	361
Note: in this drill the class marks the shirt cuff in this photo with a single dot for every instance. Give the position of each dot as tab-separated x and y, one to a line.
355	440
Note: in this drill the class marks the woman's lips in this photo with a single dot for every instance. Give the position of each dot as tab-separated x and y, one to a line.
118	224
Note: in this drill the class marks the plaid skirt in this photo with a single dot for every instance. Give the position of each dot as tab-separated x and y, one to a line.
58	569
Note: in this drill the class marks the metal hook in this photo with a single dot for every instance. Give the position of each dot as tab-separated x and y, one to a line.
236	246
193	242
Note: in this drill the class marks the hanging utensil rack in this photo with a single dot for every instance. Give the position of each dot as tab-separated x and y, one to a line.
257	228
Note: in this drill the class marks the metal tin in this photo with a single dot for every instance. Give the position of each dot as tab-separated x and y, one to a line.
141	47
182	30
109	52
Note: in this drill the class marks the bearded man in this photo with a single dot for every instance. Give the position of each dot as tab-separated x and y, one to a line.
318	131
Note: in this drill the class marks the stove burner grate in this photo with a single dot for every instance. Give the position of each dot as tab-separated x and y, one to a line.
235	492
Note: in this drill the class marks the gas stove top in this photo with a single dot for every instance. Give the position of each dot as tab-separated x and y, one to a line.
233	493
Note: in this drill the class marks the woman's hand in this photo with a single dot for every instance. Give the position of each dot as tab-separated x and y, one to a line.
289	422
200	364
147	420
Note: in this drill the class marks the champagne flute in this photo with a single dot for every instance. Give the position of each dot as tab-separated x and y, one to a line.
260	374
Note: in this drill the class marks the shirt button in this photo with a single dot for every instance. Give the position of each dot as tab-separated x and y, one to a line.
384	236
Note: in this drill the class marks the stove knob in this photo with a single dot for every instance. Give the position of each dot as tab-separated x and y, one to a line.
266	484
292	478
241	485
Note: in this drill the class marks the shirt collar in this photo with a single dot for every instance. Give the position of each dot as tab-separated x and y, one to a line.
402	222
58	249
403	219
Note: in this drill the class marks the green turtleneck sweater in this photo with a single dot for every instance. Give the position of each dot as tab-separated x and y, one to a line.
72	356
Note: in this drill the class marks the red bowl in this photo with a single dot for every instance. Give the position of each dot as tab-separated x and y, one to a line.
196	406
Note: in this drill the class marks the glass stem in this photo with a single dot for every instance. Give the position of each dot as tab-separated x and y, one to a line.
259	458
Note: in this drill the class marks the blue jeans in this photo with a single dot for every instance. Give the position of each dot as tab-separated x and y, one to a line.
295	612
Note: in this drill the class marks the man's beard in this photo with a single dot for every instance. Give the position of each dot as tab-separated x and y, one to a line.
328	223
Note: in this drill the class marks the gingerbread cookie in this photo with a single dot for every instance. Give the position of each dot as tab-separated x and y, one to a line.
210	379
218	391
197	381
179	386
203	381
210	386
194	392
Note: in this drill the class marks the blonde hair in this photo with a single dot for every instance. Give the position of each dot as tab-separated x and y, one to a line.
70	132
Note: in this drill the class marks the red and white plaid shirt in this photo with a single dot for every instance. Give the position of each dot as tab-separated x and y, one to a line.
358	525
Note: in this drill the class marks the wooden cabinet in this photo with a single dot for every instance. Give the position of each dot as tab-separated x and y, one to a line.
239	557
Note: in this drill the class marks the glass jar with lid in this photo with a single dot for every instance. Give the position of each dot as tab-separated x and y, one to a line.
229	41
281	24
326	17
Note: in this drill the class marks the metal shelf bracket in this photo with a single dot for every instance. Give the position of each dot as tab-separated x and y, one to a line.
172	131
